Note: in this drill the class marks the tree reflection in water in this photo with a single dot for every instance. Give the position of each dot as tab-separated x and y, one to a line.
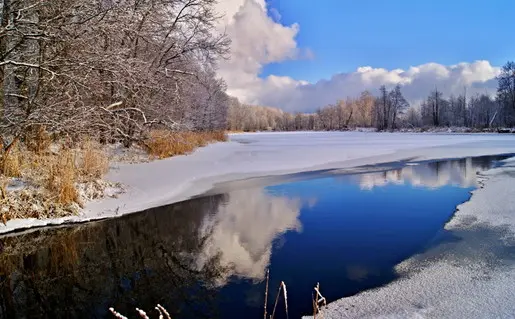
138	260
190	256
459	172
178	256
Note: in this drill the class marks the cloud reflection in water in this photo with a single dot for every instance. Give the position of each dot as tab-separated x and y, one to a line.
244	229
431	175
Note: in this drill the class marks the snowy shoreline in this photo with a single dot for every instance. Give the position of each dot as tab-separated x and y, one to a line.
252	155
469	277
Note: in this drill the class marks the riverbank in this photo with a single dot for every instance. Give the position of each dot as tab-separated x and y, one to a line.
471	276
175	179
46	177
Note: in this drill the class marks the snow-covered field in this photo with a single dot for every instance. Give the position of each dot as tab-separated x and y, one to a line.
258	154
471	277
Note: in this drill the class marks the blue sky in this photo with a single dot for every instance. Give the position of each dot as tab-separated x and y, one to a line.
346	34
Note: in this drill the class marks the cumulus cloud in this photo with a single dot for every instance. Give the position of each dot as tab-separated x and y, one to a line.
417	82
259	38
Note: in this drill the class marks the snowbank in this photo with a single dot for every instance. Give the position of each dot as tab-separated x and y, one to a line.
258	154
470	277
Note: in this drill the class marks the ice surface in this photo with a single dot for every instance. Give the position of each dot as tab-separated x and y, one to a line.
258	154
470	277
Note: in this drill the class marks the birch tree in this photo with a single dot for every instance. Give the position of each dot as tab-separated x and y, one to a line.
398	105
506	92
432	108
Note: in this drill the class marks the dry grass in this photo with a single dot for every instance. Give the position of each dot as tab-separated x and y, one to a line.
163	313
94	162
37	139
61	178
282	288
55	183
3	189
216	136
11	162
318	303
163	143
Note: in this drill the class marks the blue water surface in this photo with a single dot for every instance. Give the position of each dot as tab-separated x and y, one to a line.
208	257
351	238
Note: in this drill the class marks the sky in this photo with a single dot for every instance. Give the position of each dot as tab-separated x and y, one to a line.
298	55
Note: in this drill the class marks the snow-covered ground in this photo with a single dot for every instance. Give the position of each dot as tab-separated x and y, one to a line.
258	154
470	277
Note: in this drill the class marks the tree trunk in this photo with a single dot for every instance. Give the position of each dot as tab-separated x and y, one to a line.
11	83
22	49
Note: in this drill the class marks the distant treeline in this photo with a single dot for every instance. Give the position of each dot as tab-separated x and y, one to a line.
389	111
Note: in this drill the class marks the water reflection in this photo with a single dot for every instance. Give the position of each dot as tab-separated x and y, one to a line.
176	255
140	260
207	257
460	172
244	228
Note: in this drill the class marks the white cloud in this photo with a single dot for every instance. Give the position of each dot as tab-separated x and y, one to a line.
417	82
258	39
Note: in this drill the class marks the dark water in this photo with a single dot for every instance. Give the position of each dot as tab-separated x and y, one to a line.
207	257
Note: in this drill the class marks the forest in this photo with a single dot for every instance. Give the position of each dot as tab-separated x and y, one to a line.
80	78
116	70
110	69
389	110
77	76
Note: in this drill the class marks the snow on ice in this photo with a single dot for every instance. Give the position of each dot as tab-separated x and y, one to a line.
250	155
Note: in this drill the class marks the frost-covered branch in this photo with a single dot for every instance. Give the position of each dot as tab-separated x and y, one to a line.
113	70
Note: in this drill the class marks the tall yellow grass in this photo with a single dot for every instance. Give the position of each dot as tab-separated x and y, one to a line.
163	143
94	162
54	176
61	178
11	162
